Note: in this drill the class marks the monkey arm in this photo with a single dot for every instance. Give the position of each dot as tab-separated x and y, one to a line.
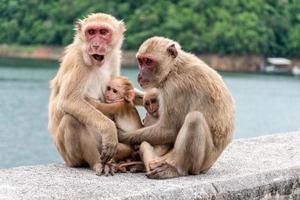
155	135
71	100
106	108
85	113
138	100
111	108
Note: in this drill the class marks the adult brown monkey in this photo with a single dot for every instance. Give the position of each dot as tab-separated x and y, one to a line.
80	132
196	112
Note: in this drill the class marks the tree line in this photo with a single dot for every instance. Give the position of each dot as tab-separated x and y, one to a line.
264	27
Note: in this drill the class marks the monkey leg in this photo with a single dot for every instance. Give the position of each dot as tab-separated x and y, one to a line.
68	141
123	151
133	166
78	146
148	153
161	154
161	150
192	144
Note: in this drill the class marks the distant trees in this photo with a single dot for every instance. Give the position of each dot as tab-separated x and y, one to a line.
267	27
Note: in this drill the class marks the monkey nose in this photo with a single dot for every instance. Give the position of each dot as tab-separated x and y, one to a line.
151	108
95	47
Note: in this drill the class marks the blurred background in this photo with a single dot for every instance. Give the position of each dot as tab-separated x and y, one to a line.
254	44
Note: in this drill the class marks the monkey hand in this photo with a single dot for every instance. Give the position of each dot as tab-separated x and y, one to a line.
108	151
109	141
106	169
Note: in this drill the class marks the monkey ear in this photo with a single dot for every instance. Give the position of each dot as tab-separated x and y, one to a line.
122	26
78	25
130	96
172	51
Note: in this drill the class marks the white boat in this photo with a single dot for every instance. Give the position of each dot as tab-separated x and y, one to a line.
277	66
296	70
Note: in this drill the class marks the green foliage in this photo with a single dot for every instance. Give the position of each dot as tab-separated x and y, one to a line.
267	27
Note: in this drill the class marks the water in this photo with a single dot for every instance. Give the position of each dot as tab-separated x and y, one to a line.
265	105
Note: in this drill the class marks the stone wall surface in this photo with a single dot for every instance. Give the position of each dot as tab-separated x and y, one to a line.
266	167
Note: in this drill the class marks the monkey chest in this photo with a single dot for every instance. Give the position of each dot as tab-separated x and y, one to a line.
97	83
126	124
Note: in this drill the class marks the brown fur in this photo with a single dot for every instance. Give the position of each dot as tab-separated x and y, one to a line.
80	132
196	111
147	152
151	118
122	110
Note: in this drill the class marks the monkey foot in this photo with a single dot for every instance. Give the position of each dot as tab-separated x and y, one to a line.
132	166
163	171
137	168
155	163
105	169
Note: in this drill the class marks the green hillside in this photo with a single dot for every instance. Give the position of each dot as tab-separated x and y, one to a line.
266	27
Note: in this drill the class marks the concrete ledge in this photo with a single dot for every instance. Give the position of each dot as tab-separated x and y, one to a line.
260	168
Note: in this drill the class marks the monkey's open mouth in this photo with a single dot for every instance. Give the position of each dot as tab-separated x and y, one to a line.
98	57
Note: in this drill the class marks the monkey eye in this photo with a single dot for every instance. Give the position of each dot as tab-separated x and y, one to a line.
140	61
147	103
103	31
148	61
108	88
115	91
153	100
91	31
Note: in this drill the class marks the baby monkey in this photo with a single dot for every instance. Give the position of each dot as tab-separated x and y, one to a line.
151	104
119	106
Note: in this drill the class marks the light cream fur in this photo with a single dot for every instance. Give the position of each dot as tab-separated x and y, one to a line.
80	132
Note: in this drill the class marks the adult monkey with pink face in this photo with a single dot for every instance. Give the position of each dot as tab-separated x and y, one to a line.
196	112
82	134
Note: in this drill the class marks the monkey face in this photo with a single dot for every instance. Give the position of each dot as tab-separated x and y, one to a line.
156	59
100	35
151	102
147	67
151	105
119	89
113	93
97	38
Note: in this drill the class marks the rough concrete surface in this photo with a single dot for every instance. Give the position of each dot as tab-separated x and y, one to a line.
259	168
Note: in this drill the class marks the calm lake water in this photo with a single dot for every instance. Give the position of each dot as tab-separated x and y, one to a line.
265	104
